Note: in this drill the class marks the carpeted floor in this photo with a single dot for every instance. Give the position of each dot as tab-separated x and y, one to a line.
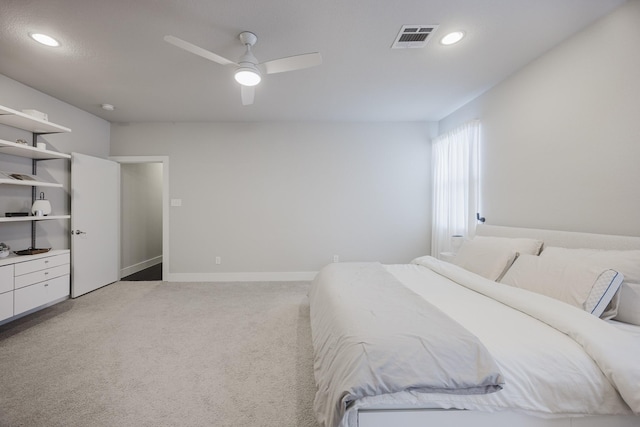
163	354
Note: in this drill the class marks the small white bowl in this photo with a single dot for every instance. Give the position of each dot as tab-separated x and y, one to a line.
4	254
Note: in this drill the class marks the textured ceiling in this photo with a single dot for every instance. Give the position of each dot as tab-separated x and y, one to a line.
113	52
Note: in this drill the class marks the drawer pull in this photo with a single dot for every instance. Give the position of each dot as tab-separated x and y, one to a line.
46	272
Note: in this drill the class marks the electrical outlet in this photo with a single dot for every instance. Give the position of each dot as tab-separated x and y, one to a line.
336	258
218	260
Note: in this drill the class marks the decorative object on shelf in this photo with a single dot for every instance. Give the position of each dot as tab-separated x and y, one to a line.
41	146
22	177
32	251
4	250
22	141
37	114
41	206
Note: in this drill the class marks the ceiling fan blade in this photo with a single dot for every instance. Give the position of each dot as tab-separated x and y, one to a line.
198	50
291	63
247	93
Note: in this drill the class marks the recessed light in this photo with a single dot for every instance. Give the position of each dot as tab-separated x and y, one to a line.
45	39
452	38
108	107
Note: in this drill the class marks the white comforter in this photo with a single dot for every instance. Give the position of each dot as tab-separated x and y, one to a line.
556	360
372	335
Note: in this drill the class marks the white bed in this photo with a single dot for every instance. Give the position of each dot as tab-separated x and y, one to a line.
549	378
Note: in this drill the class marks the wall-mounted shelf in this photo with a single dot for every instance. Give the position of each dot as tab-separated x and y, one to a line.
29	183
23	150
33	218
36	126
20	120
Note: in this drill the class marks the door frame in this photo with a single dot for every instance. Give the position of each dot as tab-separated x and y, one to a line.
165	202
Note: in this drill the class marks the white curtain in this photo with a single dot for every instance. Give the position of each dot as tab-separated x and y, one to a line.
455	185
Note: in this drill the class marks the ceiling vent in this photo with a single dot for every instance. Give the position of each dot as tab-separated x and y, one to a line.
414	36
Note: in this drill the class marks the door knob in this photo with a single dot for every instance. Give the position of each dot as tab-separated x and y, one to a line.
78	232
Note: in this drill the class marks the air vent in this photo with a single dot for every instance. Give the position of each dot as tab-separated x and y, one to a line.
414	36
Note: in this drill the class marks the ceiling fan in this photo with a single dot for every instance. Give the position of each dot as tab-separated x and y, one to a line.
248	70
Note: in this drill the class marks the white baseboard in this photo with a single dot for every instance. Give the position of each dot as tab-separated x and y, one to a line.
124	272
285	276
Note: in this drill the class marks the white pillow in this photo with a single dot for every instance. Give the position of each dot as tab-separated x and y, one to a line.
490	257
626	262
629	303
583	285
519	244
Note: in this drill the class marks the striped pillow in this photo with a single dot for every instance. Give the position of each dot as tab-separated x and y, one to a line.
582	285
602	292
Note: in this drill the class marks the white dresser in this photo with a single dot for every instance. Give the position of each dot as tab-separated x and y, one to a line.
33	281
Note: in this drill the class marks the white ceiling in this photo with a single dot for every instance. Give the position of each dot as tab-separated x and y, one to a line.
113	52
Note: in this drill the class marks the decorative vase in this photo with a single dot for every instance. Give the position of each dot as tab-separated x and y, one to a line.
4	250
456	242
41	205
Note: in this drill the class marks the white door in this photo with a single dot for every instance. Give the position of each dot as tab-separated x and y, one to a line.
95	223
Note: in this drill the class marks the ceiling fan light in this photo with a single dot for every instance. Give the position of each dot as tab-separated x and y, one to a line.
247	76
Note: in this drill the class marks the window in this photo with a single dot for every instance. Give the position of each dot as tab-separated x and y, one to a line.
455	185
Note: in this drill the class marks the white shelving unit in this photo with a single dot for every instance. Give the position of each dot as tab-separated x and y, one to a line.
31	282
36	126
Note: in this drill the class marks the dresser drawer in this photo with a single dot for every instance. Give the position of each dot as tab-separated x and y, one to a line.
6	278
40	276
39	294
41	263
6	305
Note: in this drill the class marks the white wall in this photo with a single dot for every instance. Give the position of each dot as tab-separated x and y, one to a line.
561	139
90	135
141	220
286	197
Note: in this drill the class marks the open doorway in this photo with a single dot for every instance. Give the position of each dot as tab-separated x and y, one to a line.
144	221
141	221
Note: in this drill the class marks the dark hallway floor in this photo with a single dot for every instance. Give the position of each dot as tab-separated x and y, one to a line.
148	274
